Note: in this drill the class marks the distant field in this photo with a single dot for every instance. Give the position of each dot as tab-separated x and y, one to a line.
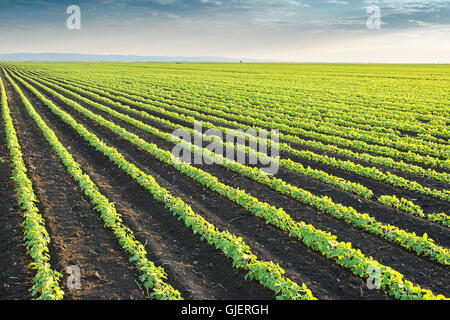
358	207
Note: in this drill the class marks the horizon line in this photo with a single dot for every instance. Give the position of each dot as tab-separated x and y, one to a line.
219	58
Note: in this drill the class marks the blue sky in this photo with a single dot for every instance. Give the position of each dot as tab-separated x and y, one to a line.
291	30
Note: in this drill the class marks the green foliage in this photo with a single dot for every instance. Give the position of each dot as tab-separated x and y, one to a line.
267	273
357	129
408	240
152	276
186	114
409	207
45	282
342	253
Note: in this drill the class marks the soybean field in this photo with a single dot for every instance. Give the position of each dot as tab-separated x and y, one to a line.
119	181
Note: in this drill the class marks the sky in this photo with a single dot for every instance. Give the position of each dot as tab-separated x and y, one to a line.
410	31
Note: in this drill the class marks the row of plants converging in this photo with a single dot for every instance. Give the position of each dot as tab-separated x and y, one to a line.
286	163
152	277
421	245
347	165
368	158
417	117
288	131
297	119
384	161
268	274
362	113
300	118
45	282
440	218
342	253
372	173
409	241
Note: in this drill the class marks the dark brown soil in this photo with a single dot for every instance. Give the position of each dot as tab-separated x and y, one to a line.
195	268
322	276
381	212
76	231
325	278
385	252
16	277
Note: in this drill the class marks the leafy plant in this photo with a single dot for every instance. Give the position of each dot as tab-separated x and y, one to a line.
45	282
342	253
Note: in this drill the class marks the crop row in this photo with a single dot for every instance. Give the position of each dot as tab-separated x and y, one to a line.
347	165
37	239
380	160
408	240
286	126
267	273
286	163
311	98
409	207
297	120
153	277
351	115
342	253
209	98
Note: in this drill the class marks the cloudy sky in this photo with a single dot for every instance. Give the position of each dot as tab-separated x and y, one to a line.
288	30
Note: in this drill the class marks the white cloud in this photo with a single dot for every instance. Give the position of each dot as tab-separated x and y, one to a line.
337	2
